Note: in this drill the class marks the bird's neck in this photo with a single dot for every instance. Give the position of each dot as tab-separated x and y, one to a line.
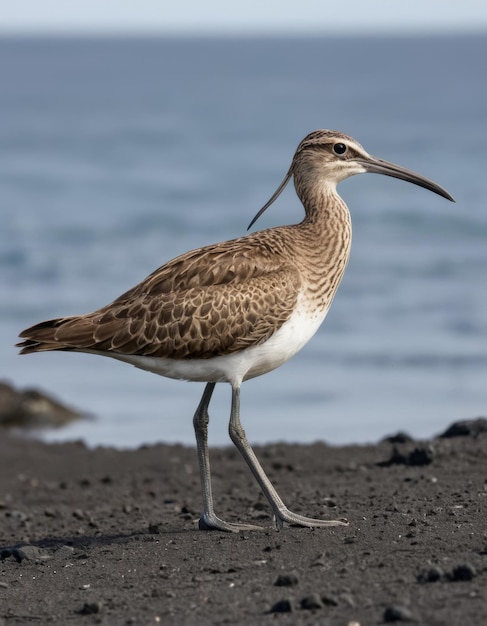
326	214
325	242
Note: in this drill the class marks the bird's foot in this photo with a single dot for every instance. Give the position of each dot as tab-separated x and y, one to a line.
209	521
285	515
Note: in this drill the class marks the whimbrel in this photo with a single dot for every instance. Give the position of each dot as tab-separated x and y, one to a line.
238	309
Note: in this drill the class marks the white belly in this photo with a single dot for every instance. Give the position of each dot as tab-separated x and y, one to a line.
238	366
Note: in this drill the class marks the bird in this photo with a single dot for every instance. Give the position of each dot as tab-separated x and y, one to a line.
235	310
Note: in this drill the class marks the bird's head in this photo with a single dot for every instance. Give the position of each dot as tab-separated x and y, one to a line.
326	157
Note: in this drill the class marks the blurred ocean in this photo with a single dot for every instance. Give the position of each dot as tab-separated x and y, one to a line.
117	155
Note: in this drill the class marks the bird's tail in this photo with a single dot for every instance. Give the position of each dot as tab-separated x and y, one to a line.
42	337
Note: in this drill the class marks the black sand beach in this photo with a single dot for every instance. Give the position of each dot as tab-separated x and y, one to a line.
110	537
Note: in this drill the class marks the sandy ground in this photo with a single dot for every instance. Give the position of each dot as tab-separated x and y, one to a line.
110	537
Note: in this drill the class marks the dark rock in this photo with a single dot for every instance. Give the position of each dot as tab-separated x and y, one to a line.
90	608
155	528
78	514
286	580
419	456
346	598
397	613
312	602
6	553
32	408
466	428
430	575
329	600
32	553
463	572
17	553
400	437
282	606
20	516
64	552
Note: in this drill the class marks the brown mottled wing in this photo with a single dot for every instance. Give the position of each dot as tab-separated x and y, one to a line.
208	302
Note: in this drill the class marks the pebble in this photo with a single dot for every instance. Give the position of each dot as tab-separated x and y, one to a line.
78	514
282	606
430	575
423	455
20	516
32	408
155	528
312	602
330	600
463	572
397	613
30	552
64	551
399	437
286	580
466	428
25	552
90	608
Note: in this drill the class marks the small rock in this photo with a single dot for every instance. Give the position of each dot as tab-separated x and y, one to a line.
312	602
397	613
20	516
64	551
430	575
282	606
347	598
32	408
90	608
25	552
419	456
466	428
399	437
286	580
6	553
78	514
155	528
463	572
32	553
329	600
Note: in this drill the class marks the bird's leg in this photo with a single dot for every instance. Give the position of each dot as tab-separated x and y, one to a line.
208	519
281	512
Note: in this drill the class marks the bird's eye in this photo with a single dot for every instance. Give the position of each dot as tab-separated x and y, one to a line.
339	148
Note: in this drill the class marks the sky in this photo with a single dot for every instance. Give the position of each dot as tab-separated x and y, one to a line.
223	17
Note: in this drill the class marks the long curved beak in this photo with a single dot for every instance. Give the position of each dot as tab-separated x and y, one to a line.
378	166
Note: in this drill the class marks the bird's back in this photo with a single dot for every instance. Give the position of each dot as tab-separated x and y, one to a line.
208	302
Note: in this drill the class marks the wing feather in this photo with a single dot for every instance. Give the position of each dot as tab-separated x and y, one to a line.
208	302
